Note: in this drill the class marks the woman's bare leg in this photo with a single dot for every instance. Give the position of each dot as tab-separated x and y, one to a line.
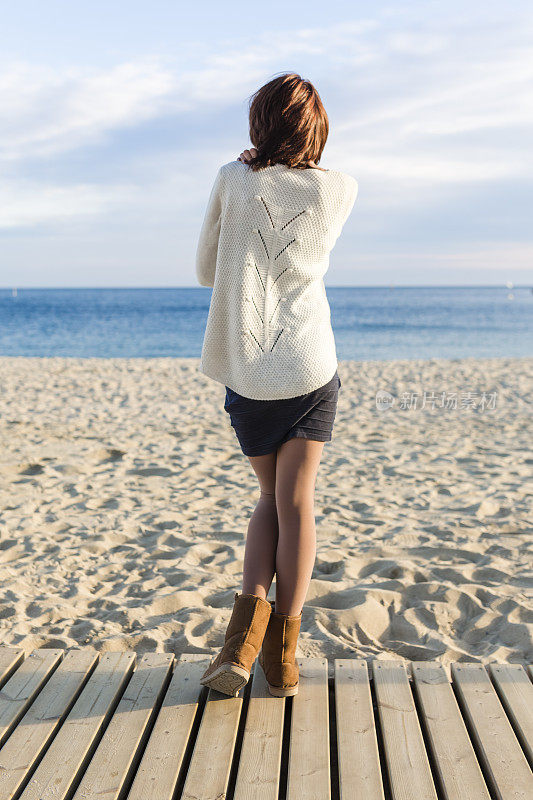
296	470
262	537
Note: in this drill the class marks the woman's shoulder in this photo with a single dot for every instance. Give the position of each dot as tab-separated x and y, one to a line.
337	179
348	187
232	166
344	177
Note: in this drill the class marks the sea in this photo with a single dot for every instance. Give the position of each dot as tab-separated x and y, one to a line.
369	323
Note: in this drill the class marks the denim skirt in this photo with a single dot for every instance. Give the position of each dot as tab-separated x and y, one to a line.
261	426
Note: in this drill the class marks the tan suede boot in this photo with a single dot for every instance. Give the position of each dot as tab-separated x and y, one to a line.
230	670
277	656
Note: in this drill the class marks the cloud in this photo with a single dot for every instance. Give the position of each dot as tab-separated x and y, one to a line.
422	83
478	255
27	204
400	84
46	111
433	115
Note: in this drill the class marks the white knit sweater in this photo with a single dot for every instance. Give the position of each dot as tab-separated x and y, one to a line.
264	246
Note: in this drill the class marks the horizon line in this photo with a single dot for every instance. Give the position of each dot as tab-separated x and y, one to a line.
330	286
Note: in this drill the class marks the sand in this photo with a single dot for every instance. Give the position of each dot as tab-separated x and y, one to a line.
124	502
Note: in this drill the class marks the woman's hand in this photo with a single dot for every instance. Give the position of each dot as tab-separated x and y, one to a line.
247	155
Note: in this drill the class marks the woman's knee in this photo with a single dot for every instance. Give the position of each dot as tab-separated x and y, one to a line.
295	502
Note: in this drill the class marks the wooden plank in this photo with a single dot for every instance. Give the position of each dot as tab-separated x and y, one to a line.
10	659
116	757
74	744
260	757
357	744
209	770
162	761
406	758
18	693
516	694
505	765
309	769
453	755
31	737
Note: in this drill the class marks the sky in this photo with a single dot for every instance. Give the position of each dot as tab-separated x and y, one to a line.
117	115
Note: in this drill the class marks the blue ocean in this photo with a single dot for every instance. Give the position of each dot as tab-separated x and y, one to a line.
368	323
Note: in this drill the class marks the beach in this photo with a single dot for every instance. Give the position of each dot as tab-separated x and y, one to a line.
125	498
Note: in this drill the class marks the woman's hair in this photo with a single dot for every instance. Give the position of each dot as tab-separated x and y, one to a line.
288	123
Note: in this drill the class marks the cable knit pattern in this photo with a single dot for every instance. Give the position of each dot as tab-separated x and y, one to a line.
264	248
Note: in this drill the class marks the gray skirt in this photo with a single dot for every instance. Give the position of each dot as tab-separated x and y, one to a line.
261	426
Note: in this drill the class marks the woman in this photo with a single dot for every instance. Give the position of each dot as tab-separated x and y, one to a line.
272	219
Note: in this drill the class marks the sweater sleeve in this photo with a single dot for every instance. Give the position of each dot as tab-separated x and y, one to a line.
347	204
353	189
207	248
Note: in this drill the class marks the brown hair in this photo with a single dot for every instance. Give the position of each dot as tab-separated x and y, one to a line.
288	123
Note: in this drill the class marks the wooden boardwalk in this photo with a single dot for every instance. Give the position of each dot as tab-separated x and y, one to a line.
78	724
